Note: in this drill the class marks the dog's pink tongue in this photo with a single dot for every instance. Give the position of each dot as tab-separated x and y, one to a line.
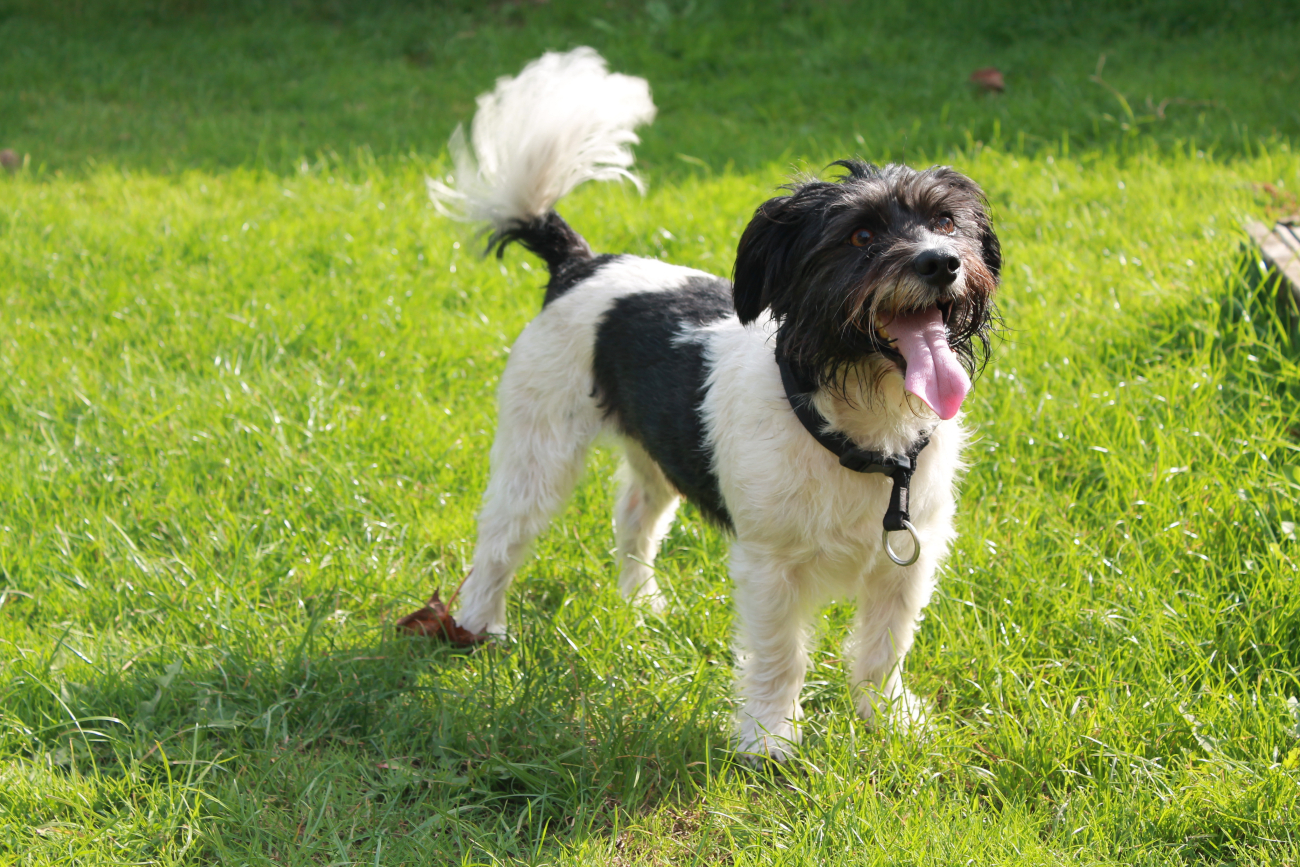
934	373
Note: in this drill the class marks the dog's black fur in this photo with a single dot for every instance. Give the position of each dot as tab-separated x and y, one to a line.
796	259
650	376
567	254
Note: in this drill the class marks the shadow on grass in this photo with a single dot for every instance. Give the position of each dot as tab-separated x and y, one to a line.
497	749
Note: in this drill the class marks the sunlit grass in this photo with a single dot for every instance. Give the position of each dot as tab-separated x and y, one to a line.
246	425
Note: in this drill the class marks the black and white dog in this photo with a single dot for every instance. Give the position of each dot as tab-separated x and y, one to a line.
799	409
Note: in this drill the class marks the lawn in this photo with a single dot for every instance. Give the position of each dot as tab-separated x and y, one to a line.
246	398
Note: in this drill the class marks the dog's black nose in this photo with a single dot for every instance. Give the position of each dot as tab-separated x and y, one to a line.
938	268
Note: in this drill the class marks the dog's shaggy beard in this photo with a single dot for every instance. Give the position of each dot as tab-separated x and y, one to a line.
833	300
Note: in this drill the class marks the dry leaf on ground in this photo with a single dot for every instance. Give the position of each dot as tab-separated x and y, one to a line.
989	78
435	621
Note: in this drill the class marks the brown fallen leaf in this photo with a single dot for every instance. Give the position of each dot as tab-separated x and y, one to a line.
989	78
435	621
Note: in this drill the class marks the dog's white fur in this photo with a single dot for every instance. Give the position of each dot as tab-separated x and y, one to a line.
564	121
807	529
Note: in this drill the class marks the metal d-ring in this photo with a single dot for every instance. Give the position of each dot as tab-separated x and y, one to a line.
916	545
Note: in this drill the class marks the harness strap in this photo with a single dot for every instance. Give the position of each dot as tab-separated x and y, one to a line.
899	468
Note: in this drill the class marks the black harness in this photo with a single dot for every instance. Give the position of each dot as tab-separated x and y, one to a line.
899	468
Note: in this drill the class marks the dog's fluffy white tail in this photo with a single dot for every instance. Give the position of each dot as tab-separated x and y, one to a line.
564	120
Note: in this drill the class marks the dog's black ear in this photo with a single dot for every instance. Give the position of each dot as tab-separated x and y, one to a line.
990	247
763	258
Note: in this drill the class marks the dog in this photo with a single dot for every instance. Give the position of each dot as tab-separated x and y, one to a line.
810	408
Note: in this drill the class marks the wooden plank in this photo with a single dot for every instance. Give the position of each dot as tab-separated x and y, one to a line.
1290	236
1280	247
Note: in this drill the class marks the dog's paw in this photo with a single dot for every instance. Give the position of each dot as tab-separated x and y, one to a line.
482	624
904	711
765	751
637	584
763	762
654	602
757	744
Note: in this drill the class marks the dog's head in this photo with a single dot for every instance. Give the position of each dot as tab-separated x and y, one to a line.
844	266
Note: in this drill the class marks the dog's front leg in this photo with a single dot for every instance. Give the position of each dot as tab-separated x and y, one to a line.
772	614
888	609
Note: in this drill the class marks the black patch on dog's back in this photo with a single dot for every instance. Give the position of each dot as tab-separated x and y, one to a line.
650	374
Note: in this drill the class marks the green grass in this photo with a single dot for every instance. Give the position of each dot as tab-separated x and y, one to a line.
174	84
246	379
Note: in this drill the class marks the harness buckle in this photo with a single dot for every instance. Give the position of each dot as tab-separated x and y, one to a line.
863	461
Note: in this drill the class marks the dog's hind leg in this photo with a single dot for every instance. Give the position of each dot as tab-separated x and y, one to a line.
644	512
542	439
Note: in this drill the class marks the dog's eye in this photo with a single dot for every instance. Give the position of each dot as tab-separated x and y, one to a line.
862	237
945	225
